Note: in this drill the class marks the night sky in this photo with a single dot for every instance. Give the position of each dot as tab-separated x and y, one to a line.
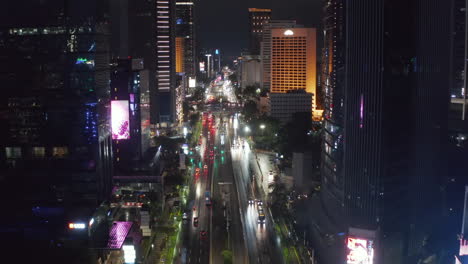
224	24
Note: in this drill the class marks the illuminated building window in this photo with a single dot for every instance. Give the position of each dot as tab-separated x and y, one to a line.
59	152
13	152
38	152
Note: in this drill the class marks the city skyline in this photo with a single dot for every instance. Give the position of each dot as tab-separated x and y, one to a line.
199	132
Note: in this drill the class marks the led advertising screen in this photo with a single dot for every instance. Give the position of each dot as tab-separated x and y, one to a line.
120	119
192	82
360	251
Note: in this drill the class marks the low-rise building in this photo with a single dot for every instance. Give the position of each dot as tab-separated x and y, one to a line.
301	168
284	105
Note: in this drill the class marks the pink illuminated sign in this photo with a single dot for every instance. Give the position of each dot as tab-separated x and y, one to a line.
120	119
463	247
360	251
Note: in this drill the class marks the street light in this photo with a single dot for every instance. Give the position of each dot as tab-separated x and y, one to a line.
262	127
246	129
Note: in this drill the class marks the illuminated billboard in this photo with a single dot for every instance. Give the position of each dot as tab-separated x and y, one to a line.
202	66
360	251
120	123
192	82
129	253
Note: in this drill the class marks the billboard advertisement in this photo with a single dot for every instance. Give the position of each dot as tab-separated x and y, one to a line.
360	251
192	82
120	123
202	66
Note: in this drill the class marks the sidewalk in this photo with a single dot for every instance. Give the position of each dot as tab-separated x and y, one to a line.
293	252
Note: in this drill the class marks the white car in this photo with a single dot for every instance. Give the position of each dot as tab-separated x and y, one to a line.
259	203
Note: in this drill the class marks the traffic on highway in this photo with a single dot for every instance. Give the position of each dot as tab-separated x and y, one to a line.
227	211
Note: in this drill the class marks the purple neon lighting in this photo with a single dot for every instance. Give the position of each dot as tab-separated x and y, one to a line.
120	120
361	112
117	234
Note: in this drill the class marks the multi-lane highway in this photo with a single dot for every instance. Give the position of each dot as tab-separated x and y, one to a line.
197	228
230	221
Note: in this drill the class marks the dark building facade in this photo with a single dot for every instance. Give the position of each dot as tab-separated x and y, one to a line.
386	98
56	146
458	23
129	88
257	18
186	30
134	28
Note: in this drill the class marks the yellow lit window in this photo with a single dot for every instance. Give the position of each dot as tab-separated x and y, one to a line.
13	152
59	152
38	152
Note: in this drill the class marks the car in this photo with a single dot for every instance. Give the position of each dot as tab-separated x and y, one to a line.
259	203
195	221
203	234
184	217
261	218
207	201
251	201
205	167
197	170
260	208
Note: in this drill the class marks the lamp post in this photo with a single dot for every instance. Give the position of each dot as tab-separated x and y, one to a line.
262	127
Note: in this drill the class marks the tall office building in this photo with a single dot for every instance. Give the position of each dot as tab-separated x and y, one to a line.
129	114
250	70
459	51
257	18
293	60
458	132
55	151
186	29
165	59
386	84
265	48
133	34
